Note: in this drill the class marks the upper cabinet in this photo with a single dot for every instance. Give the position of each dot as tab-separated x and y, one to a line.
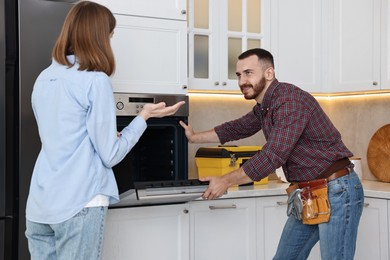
150	46
353	36
166	9
218	31
331	45
296	42
385	45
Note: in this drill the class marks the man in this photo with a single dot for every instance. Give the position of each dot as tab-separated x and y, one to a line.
300	138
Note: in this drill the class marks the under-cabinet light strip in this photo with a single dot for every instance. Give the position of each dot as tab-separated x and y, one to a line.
316	95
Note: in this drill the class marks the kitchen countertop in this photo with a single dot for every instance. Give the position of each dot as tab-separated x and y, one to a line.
373	189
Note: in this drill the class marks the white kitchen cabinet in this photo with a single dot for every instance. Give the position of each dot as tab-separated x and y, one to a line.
297	43
385	45
147	233
167	9
223	229
373	234
271	217
218	31
354	39
150	54
331	46
150	46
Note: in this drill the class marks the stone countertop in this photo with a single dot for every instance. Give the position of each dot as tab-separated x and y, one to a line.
373	189
376	189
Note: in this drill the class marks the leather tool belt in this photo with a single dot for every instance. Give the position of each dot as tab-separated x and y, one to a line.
315	202
308	201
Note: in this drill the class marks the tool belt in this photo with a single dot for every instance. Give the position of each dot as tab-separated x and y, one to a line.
316	206
308	201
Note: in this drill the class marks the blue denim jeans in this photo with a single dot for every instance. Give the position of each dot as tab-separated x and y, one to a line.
338	236
80	237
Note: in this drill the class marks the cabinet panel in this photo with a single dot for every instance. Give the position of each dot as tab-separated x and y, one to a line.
271	217
147	233
169	9
385	45
372	241
218	31
296	43
150	55
332	46
354	37
223	229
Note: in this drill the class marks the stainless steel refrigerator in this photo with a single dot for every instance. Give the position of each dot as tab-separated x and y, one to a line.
28	30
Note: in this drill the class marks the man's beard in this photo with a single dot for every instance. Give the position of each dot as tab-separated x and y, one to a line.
256	89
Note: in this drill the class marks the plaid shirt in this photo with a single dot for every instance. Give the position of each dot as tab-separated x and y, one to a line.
300	137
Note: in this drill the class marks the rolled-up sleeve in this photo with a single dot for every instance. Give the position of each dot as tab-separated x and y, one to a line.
240	128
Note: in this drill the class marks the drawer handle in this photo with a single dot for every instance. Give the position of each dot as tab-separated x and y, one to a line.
281	203
233	206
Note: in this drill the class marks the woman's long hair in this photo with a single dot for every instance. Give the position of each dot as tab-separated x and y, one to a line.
86	33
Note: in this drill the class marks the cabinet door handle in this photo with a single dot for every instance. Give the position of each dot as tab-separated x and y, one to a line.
366	205
183	11
375	83
216	83
233	206
224	83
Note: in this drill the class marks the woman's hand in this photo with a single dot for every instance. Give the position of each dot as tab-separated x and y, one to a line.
159	110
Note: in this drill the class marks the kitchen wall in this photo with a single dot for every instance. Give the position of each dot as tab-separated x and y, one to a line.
356	117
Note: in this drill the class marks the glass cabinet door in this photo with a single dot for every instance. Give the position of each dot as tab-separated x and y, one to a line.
218	31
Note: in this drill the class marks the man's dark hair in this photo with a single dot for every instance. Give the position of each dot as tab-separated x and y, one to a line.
264	56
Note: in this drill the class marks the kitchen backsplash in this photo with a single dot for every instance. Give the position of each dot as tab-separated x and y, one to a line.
356	117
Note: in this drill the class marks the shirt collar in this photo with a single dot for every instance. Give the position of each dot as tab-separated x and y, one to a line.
71	58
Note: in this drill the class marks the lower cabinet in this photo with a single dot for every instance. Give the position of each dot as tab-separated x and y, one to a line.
271	217
373	234
147	233
223	229
229	229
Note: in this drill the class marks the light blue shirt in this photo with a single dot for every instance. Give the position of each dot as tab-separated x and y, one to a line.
75	113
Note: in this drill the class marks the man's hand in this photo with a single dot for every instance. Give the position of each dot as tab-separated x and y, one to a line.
189	131
159	110
217	187
209	136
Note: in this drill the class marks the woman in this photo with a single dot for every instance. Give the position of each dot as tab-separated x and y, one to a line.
73	183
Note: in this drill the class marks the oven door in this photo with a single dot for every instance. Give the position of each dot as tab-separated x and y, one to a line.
160	154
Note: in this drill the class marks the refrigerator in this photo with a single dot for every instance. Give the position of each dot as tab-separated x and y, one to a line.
28	30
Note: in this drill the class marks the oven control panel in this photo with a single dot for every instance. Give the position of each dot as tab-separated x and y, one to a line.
129	104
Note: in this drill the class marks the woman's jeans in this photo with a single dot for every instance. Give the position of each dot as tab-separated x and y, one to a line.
80	237
338	236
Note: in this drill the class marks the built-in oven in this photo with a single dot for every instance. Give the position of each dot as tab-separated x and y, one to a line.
158	163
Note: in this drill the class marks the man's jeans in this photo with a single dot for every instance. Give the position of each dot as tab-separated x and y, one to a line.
80	237
338	236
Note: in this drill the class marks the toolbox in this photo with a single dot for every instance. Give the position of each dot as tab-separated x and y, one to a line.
219	160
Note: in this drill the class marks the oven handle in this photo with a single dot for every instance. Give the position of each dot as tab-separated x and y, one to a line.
190	196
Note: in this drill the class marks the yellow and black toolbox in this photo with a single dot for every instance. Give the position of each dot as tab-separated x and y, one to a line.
219	160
